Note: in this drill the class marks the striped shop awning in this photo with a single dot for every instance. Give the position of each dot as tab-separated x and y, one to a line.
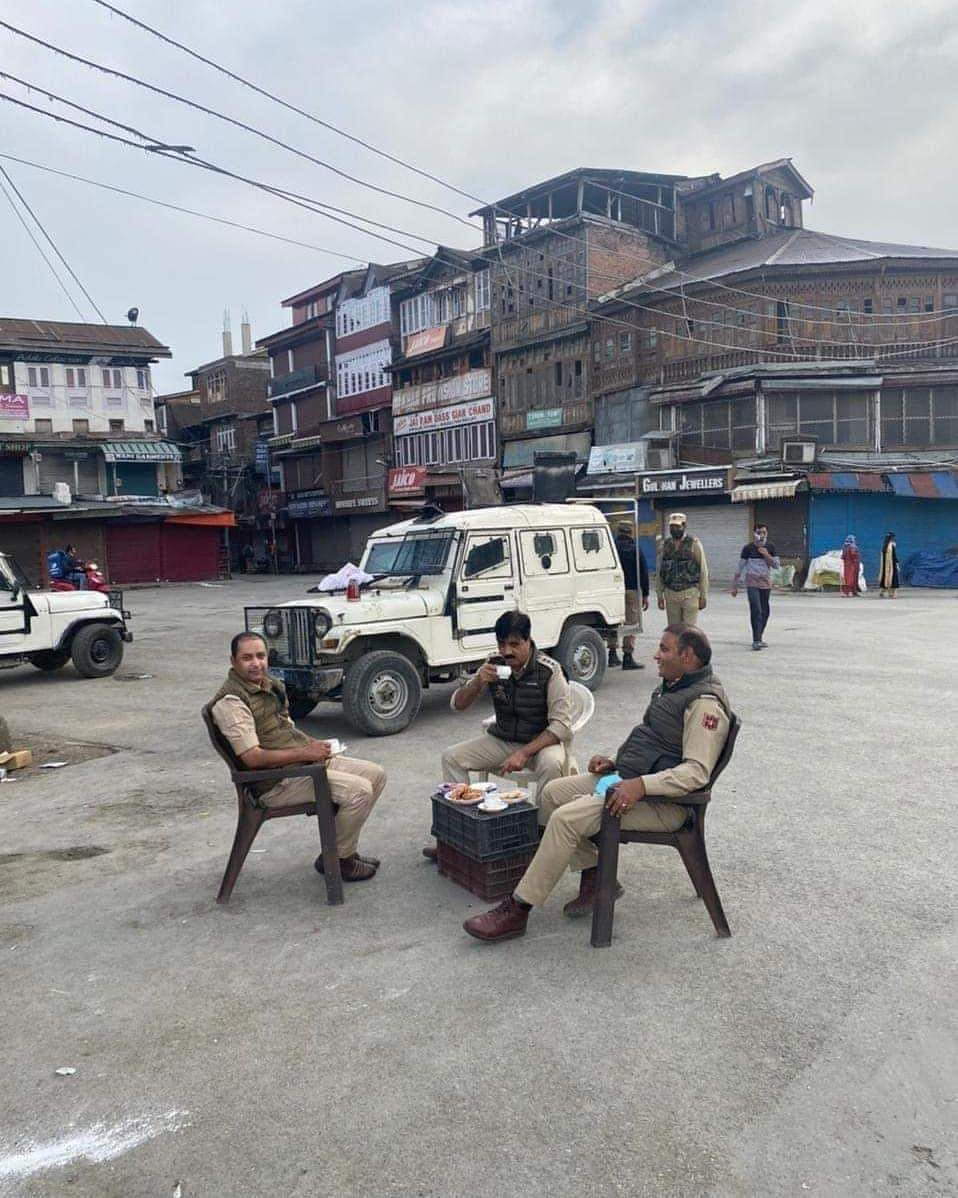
140	451
938	484
778	489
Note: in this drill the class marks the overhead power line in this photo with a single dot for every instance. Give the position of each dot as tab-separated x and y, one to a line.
53	245
40	250
220	220
178	156
877	318
160	91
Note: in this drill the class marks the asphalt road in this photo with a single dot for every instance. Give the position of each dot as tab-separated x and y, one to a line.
281	1047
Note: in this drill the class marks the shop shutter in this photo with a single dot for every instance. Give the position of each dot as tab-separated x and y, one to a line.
11	475
133	553
786	520
722	528
55	468
190	552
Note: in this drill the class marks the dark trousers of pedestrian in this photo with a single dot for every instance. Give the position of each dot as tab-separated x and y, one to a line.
758	611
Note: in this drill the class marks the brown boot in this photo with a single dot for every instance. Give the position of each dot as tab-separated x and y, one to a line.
352	869
584	901
431	853
501	923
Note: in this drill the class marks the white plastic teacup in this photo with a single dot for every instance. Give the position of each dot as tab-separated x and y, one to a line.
493	803
504	673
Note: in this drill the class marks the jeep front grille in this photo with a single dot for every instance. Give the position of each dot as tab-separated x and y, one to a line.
293	645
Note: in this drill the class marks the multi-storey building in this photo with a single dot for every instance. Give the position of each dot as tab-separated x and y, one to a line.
445	446
331	393
76	407
553	248
759	333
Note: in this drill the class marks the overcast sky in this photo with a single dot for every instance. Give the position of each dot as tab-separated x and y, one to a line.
490	95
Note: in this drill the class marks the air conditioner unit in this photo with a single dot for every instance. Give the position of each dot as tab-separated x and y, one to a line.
658	459
798	453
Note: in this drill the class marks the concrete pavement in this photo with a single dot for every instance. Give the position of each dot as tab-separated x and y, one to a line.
281	1047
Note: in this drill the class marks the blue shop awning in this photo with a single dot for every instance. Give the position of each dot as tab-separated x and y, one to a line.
938	484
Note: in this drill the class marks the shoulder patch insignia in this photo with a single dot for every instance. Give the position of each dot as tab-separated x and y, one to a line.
710	722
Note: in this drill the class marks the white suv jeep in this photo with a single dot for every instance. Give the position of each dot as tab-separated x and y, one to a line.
48	628
440	583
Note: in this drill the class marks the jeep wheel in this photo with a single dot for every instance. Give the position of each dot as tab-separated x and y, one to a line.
300	704
97	650
49	660
381	693
582	655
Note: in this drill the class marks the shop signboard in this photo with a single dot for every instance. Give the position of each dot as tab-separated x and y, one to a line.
544	418
368	501
14	407
422	343
617	459
304	504
407	480
474	412
474	384
706	480
346	429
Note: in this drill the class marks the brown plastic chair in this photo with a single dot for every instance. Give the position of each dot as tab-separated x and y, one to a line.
252	814
689	840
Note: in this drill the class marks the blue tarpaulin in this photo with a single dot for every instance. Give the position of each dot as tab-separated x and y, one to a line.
931	570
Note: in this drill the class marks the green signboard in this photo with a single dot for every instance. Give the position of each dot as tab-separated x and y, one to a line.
544	418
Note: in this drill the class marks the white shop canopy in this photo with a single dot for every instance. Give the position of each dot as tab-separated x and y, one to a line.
781	489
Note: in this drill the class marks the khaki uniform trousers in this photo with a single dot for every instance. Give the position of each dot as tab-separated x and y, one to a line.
681	607
355	786
486	752
572	813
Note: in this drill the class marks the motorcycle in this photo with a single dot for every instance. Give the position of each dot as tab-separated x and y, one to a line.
95	581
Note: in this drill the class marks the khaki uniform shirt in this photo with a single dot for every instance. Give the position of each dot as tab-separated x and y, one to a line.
703	739
235	720
558	697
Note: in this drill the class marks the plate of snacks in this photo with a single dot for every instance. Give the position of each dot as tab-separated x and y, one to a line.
518	795
466	795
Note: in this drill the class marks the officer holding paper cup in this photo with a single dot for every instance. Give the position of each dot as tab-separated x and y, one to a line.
532	725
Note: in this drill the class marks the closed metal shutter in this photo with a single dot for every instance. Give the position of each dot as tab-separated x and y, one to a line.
786	520
55	468
189	552
723	529
133	553
11	475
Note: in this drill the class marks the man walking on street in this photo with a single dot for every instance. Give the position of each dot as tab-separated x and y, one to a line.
682	583
636	578
754	572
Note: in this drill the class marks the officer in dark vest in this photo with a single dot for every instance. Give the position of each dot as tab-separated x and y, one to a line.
682	581
671	753
532	724
251	711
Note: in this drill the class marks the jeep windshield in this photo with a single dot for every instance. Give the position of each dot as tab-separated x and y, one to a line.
418	553
10	574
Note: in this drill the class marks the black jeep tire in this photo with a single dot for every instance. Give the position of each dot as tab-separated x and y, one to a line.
582	654
300	704
382	693
97	650
49	660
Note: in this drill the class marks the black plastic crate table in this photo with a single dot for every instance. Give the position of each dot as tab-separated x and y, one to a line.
487	880
485	835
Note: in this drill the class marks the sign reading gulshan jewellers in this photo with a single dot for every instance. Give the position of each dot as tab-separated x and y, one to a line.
710	480
460	413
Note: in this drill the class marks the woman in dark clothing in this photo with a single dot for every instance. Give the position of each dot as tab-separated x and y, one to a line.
889	579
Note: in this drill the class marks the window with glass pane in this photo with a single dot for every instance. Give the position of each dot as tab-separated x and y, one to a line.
715	425
743	424
852	418
892	433
917	416
816	411
945	415
781	413
690	423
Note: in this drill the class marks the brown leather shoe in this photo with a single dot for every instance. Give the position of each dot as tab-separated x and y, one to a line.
584	901
352	869
431	853
501	923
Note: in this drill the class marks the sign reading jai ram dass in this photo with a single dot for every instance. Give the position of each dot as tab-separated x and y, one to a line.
684	482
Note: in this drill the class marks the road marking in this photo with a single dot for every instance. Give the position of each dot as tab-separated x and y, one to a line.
97	1143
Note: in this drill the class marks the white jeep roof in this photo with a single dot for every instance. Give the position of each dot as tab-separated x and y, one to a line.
513	515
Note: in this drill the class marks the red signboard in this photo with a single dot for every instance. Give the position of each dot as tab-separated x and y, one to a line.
14	407
422	343
407	479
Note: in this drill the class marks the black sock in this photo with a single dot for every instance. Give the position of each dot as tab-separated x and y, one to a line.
519	903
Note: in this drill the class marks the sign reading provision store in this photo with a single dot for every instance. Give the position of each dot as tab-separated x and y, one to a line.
705	480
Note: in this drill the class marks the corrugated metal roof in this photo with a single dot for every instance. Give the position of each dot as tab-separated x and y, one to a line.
846	480
939	484
62	335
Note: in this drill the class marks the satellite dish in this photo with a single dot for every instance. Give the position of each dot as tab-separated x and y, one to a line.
132	315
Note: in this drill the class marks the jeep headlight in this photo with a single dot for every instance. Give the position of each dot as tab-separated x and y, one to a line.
321	623
273	624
